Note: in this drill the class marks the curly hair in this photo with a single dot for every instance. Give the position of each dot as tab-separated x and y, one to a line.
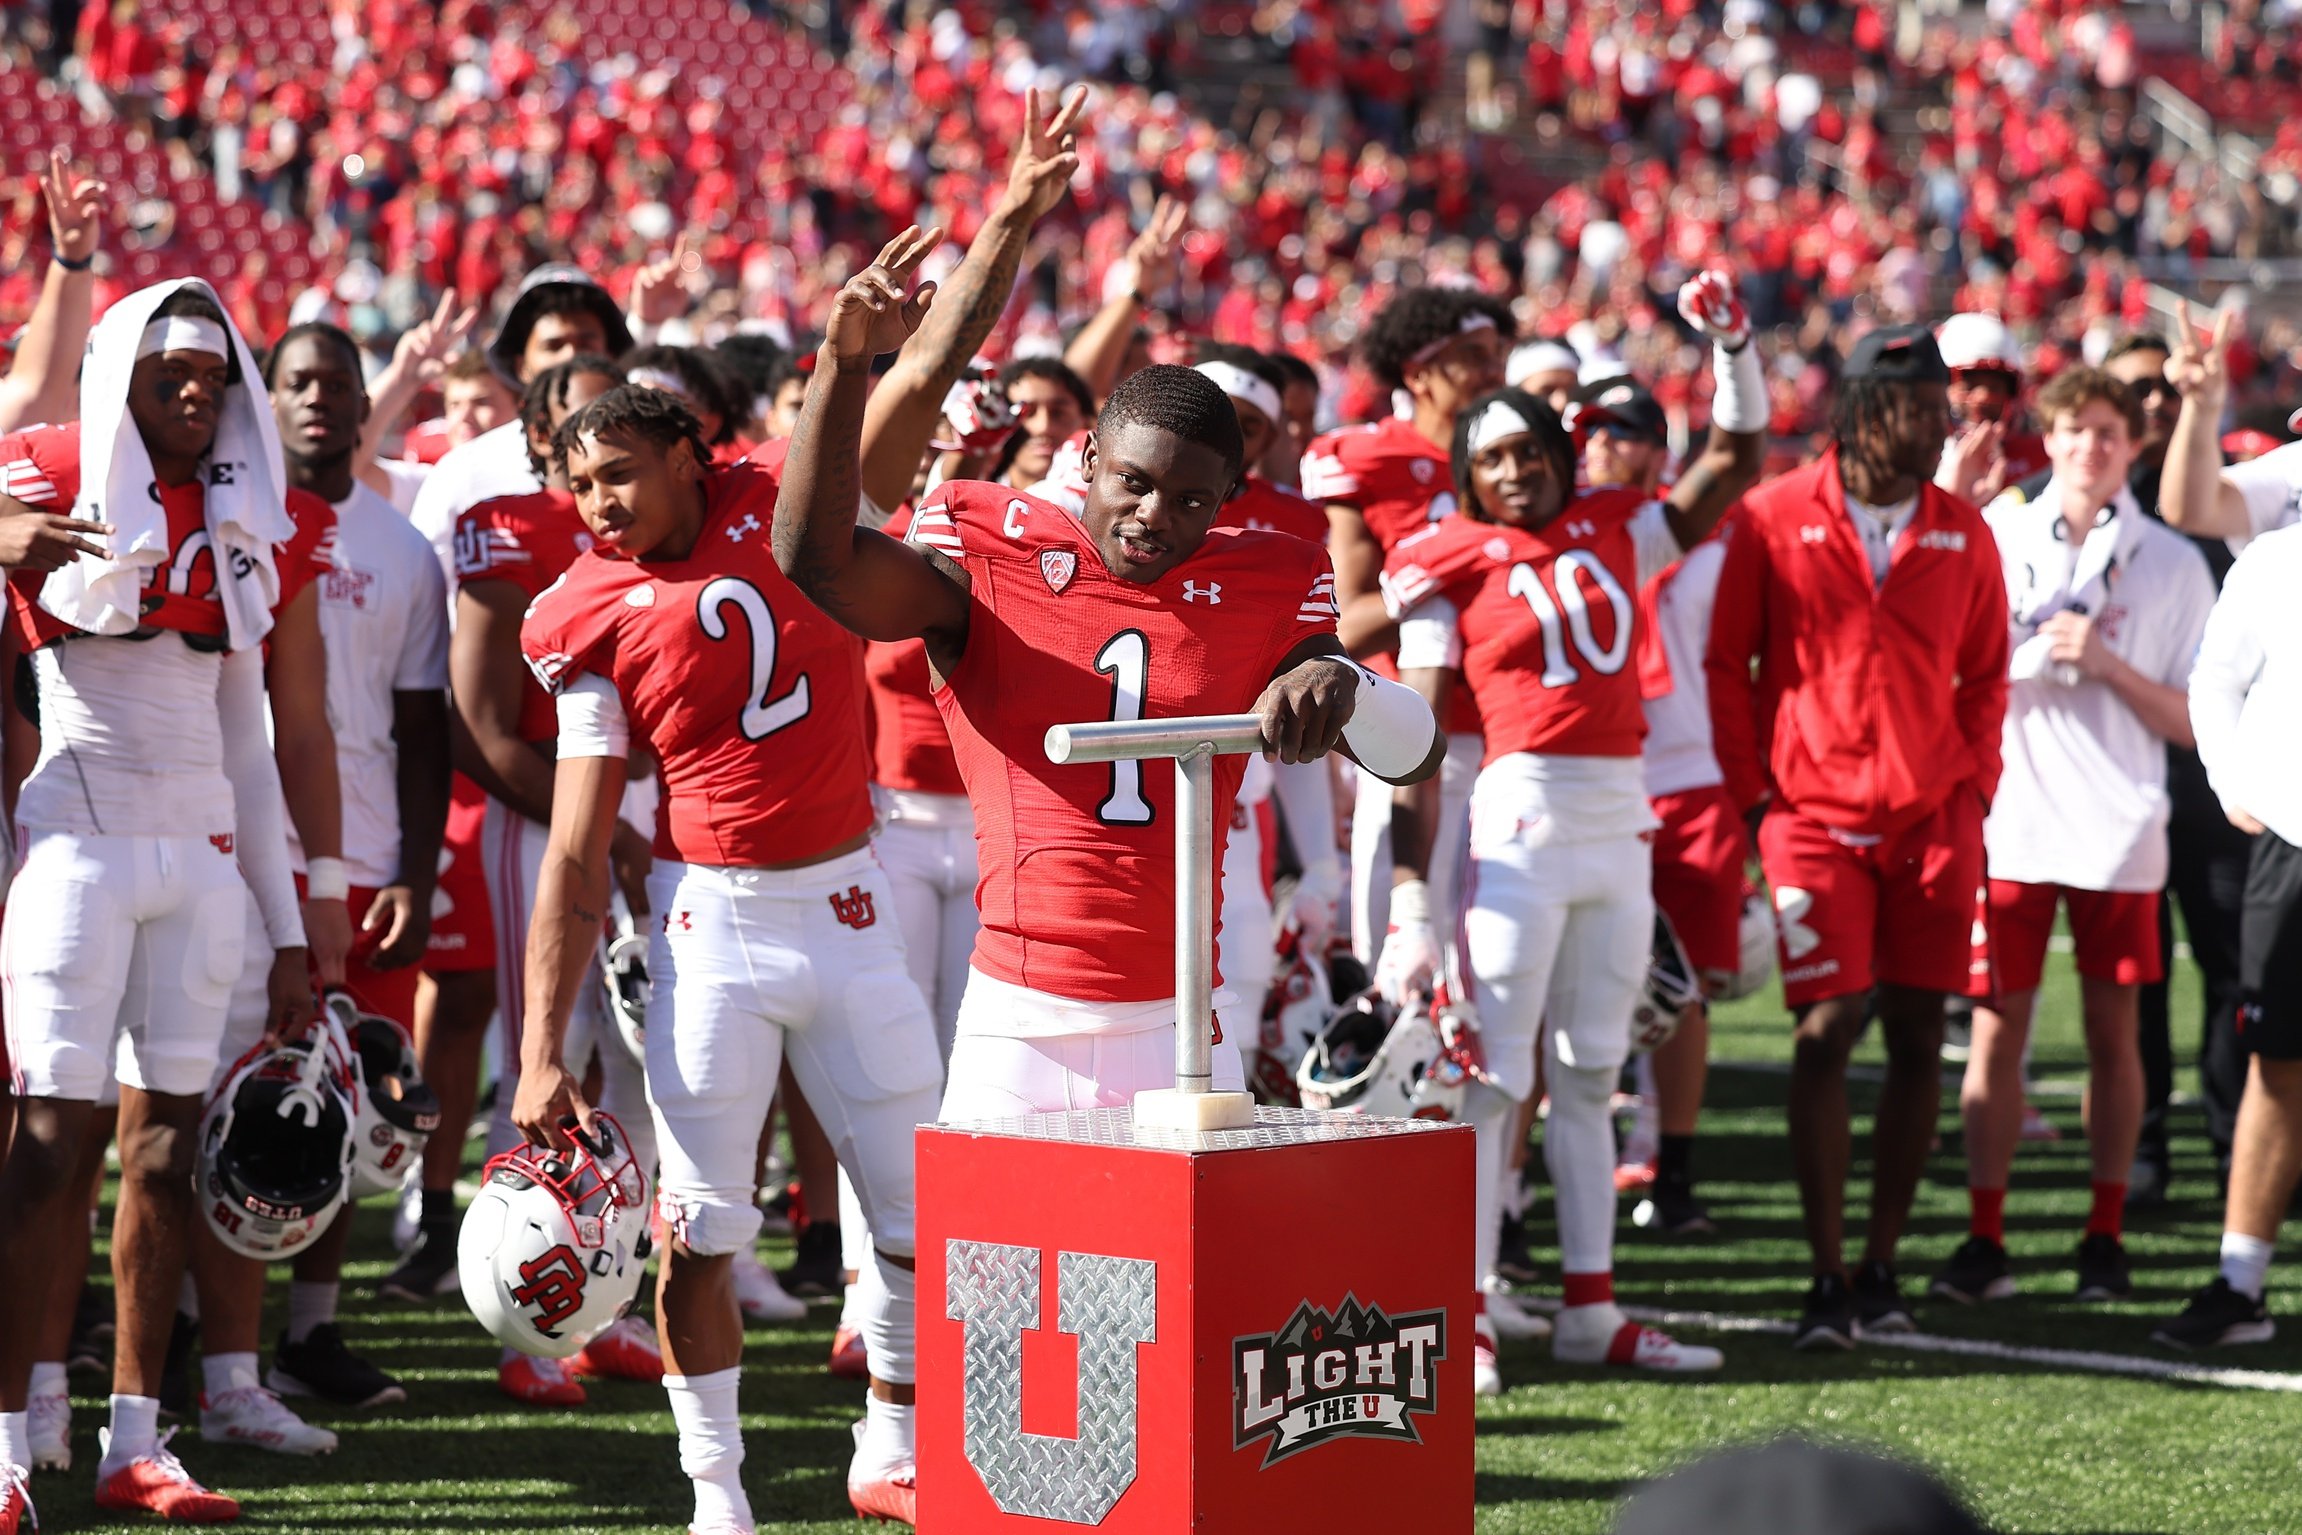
1419	317
320	330
706	387
1550	433
632	410
548	392
1179	400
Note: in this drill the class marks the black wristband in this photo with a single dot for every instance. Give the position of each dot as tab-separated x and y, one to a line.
70	265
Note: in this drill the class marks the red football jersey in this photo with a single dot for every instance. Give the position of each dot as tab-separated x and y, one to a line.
1264	506
1077	890
530	541
750	698
910	749
41	467
1397	478
1548	619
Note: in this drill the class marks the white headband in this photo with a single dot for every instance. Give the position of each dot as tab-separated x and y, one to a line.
1541	357
184	333
1496	422
657	378
1470	325
1239	384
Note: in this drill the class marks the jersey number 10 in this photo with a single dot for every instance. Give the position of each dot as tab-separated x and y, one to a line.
1569	616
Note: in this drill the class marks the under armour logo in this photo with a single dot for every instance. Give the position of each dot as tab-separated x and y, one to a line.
1813	533
1581	527
1212	591
552	1285
682	920
750	524
854	908
1791	906
222	843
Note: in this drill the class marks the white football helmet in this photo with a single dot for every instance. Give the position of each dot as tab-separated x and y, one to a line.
394	1113
553	1248
623	970
1756	940
1670	988
275	1155
1373	1058
1295	1012
1978	341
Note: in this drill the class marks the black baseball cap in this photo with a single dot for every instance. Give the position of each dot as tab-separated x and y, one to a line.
1626	403
1794	1486
1897	354
512	340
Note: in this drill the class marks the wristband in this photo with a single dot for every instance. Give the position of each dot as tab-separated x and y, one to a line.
325	880
1740	404
69	265
1410	903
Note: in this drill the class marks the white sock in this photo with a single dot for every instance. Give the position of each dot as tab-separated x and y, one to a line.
711	1445
889	1439
1579	1147
2246	1262
310	1305
135	1431
220	1373
16	1440
48	1379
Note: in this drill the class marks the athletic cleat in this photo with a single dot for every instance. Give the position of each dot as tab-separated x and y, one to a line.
1509	1315
1601	1334
759	1296
1828	1321
1634	1177
50	1416
427	1272
157	1483
17	1516
1512	1260
890	1495
1958	1037
1977	1272
539	1382
2217	1316
251	1415
322	1367
625	1349
1878	1304
815	1270
1486	1375
848	1360
1673	1211
2102	1269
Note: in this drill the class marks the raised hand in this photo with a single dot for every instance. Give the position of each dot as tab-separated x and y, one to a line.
1155	255
1047	158
75	209
2199	362
659	292
427	347
1708	301
871	314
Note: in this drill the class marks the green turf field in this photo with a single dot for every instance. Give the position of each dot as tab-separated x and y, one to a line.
2037	1449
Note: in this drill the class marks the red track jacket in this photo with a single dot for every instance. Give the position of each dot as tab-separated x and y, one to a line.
1862	707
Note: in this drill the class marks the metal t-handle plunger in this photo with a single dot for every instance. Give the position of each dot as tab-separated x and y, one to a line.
1194	743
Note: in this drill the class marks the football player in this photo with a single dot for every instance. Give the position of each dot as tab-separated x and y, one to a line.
1032	616
1526	599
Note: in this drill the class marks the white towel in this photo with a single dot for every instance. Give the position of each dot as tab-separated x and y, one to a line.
2109	547
246	502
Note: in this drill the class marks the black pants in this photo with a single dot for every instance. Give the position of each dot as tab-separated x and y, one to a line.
2208	877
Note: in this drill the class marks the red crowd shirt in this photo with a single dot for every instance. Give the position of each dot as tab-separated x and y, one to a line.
529	540
1870	704
1264	506
1077	888
749	697
910	748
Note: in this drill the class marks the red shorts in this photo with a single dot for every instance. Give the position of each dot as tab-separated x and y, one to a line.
386	993
2115	931
1699	876
1852	913
463	932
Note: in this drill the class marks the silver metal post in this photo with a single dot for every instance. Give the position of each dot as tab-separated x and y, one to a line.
1194	743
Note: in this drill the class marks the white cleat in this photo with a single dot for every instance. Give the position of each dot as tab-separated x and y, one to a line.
761	1297
1486	1375
1601	1334
51	1426
1512	1320
253	1416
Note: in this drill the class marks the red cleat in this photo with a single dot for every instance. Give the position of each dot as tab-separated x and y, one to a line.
1634	1177
889	1498
16	1513
157	1483
539	1382
624	1350
848	1361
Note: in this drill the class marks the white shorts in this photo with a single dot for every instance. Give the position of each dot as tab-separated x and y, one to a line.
512	856
1558	935
928	850
1371	850
137	937
747	965
1024	1052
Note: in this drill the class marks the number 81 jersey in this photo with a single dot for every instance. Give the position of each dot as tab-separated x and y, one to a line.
1543	621
750	698
1077	890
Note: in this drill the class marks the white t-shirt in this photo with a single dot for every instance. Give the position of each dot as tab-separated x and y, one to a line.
493	464
384	618
1678	745
2272	486
1879	527
2246	694
2082	800
407	477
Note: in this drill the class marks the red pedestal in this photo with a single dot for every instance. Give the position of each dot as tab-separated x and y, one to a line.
1150	1333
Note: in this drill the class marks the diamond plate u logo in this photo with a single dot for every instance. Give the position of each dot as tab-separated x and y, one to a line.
1111	1306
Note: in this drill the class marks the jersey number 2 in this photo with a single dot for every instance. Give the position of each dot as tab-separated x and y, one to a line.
1126	659
762	716
1575	622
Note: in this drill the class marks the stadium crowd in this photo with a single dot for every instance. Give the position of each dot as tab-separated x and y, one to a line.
1779	498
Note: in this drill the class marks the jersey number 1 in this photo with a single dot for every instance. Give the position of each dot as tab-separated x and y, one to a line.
762	716
1126	659
1575	622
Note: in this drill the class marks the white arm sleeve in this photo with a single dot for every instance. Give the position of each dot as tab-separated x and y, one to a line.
260	832
1392	729
592	720
2229	659
1430	639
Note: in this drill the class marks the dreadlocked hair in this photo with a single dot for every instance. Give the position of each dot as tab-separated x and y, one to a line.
1179	400
1862	406
1550	433
547	392
631	410
1419	317
335	335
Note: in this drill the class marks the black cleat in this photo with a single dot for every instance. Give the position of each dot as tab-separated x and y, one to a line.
1829	1318
1512	1260
92	1327
2102	1269
321	1366
815	1269
1878	1302
1977	1272
428	1271
1673	1211
2218	1315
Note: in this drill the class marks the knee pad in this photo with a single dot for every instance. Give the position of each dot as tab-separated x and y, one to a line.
888	1296
709	1224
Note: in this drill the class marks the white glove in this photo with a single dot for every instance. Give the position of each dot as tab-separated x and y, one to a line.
1410	950
1709	303
1318	895
1405	589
